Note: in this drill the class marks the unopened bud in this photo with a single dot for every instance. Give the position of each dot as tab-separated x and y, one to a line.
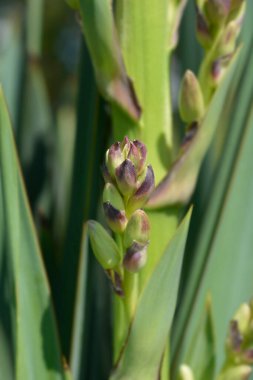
185	373
228	40
112	195
203	30
143	192
191	103
243	317
75	4
217	10
239	372
114	208
104	247
114	158
137	229
237	8
235	339
126	177
135	257
137	154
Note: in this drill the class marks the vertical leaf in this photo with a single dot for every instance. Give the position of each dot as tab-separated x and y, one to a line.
37	347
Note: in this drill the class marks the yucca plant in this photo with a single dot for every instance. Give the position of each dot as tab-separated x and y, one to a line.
126	248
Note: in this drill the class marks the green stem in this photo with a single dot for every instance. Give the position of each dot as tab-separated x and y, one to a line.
131	291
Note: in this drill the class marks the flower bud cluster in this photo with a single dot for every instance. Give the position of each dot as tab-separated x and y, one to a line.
129	182
240	336
218	25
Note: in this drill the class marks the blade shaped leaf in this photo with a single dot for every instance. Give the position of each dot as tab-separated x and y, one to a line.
148	335
37	346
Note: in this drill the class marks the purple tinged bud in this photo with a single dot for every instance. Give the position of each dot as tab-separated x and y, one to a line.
235	339
115	218
106	174
143	192
217	10
114	158
203	30
138	228
125	146
135	257
126	177
137	154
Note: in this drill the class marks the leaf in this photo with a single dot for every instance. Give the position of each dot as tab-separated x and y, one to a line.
148	336
76	356
223	262
100	33
11	55
37	346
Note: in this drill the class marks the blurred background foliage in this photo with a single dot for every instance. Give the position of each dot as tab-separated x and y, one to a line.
62	129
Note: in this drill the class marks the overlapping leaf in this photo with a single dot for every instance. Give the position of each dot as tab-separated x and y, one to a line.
37	347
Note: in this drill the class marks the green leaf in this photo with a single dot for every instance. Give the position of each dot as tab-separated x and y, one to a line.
146	343
76	356
37	346
11	55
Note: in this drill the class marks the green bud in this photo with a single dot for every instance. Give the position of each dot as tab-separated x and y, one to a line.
191	103
243	318
104	247
237	9
75	4
114	158
239	372
217	10
185	373
137	229
112	195
228	40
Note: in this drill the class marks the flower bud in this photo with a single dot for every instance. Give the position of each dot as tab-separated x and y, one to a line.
137	229
114	158
135	257
137	154
104	247
239	372
235	339
237	9
126	177
203	30
143	192
243	317
191	103
185	373
75	4
116	219
217	10
114	208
